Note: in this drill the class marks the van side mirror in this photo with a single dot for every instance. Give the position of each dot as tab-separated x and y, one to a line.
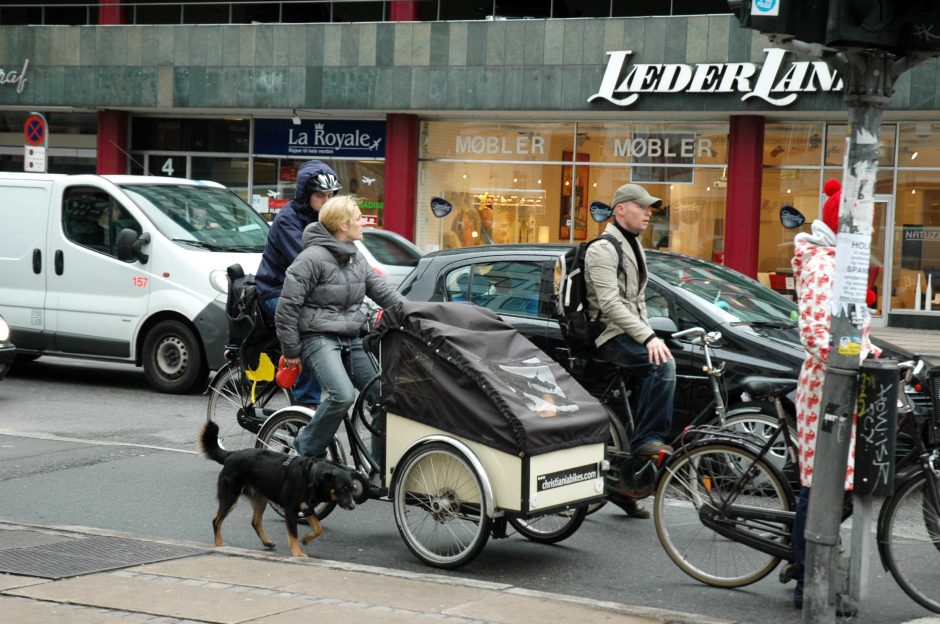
130	246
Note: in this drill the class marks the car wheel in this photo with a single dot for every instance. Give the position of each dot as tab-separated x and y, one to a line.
173	359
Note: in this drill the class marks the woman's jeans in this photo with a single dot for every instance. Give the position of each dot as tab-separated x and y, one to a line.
306	389
652	409
325	355
798	539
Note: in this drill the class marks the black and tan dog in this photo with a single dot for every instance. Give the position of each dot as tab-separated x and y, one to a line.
295	483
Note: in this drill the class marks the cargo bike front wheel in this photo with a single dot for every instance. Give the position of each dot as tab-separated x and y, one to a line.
441	506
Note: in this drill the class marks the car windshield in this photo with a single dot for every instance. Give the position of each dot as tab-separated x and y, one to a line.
736	298
203	217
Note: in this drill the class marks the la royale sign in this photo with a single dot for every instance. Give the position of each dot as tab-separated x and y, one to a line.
772	82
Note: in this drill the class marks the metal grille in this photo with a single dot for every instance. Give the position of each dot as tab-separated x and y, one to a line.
85	555
933	385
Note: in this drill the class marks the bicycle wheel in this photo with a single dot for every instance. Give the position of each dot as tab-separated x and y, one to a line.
278	435
908	540
706	475
230	406
783	453
617	442
551	528
439	506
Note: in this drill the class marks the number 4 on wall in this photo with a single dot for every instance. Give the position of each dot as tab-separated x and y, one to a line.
167	167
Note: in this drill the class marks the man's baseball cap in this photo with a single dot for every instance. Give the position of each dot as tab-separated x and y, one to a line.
635	193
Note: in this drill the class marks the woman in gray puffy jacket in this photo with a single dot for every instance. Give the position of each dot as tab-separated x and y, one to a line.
320	314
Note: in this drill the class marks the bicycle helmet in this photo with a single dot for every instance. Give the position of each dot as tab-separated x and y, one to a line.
323	183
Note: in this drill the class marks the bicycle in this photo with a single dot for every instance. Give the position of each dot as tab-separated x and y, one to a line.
724	514
635	476
237	404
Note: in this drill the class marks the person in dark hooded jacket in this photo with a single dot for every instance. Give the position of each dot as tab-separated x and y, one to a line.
316	183
319	317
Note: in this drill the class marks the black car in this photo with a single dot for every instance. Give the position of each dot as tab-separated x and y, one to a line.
7	350
758	326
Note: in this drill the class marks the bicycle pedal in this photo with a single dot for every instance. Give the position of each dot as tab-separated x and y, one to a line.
787	573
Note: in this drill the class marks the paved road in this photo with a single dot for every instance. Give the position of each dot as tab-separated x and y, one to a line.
94	446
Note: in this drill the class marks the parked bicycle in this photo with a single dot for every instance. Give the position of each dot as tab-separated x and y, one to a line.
724	511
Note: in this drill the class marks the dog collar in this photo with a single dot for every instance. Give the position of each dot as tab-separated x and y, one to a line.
289	460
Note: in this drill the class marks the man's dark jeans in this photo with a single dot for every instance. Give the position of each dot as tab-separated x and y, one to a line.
652	409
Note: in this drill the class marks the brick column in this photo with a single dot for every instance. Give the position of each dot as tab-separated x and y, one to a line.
401	173
111	12
403	11
112	142
742	212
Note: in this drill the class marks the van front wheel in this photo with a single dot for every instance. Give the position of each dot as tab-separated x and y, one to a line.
173	362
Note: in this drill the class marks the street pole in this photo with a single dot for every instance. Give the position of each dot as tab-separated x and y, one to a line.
869	78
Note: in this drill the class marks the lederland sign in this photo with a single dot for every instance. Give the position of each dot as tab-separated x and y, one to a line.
775	81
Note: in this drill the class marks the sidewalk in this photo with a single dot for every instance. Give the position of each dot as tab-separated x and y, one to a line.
231	585
921	341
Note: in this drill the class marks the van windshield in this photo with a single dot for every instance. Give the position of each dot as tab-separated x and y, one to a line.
205	217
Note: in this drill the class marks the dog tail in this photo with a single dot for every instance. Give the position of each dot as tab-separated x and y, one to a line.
209	443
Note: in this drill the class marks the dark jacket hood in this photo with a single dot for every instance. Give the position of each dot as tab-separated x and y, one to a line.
307	171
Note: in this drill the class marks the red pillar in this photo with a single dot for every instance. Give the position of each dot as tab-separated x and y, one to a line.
401	173
112	142
110	12
742	213
403	11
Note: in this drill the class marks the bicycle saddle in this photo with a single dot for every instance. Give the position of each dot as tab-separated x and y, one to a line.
766	387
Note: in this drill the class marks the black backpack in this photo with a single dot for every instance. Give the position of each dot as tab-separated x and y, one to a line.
571	305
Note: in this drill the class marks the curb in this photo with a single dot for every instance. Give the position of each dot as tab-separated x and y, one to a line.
665	615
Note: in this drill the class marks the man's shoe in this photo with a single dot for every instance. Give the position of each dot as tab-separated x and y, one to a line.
653	448
630	506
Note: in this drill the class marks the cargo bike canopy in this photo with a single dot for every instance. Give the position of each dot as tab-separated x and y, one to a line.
459	368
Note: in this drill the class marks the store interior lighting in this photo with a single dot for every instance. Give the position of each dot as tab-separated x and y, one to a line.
295	118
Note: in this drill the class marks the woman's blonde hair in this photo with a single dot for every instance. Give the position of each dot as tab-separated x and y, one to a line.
337	212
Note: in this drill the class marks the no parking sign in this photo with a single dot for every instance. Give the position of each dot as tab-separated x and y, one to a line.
36	135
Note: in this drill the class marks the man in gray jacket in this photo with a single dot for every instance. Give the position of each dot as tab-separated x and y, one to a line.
628	340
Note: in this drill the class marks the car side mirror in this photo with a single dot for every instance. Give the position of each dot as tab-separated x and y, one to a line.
130	246
663	325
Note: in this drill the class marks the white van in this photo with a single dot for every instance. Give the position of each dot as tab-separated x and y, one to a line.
123	268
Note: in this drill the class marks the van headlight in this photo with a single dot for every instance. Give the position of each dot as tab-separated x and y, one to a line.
219	281
4	330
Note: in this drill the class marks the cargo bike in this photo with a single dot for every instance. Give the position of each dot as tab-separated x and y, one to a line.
482	431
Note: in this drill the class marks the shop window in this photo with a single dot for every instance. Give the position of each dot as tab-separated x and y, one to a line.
92	218
633	8
305	12
509	287
206	14
919	145
581	8
358	11
793	144
464	9
191	135
495	141
143	12
915	280
523	9
835	146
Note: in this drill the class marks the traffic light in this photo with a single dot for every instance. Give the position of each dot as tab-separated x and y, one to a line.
804	20
893	25
922	33
866	23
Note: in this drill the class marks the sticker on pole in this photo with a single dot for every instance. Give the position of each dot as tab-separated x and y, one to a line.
765	8
34	130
